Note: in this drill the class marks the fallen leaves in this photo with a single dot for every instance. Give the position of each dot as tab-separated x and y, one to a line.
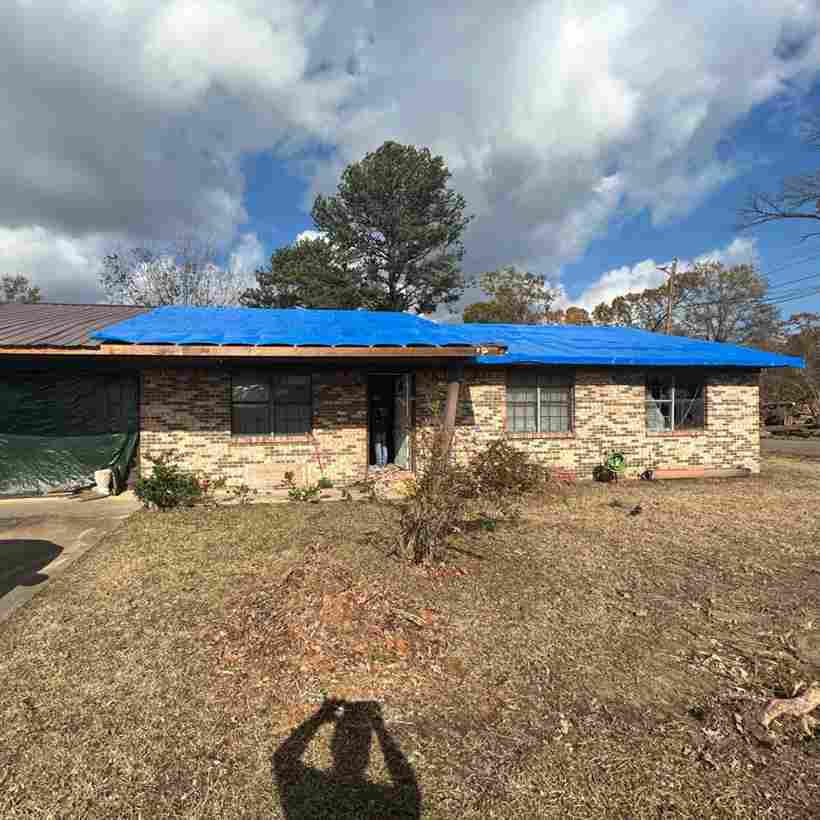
321	622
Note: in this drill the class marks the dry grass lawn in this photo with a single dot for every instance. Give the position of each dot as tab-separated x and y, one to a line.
583	662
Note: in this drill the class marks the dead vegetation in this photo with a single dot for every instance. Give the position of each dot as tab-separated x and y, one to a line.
580	662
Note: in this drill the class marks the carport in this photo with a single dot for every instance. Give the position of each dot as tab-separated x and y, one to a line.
63	414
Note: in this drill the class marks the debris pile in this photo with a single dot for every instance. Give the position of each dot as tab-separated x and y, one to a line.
321	626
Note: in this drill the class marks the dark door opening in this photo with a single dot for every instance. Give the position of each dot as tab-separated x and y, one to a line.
389	418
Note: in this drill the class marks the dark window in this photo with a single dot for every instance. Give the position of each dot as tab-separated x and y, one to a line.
675	402
264	403
539	401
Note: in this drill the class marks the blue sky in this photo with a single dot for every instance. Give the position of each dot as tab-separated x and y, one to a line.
592	139
769	142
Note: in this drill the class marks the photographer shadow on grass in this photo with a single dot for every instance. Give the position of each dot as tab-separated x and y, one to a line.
344	791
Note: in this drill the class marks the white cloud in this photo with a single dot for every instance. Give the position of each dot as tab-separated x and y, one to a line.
742	250
618	281
246	257
308	235
556	116
67	269
130	119
647	273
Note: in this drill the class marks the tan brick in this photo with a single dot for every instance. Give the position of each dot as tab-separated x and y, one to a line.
188	410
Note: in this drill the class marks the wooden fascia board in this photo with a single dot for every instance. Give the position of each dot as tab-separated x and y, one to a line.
239	352
283	352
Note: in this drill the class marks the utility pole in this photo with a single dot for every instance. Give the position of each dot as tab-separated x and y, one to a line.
671	271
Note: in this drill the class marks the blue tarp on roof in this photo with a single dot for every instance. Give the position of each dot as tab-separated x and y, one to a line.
526	344
177	324
584	344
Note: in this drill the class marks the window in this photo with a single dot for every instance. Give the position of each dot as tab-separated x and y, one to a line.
264	403
675	402
539	401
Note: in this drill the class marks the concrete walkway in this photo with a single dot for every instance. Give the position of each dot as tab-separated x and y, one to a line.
41	537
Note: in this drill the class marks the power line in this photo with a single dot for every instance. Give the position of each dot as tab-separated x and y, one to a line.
792	281
793	298
789	296
793	262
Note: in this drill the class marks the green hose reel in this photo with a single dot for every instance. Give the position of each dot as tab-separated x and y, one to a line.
616	462
612	468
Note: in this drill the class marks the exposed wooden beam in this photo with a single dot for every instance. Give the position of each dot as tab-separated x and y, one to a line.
284	352
267	352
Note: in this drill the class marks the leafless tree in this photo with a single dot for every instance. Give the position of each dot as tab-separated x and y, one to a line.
182	272
798	199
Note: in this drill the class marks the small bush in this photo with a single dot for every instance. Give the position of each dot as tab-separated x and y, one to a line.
169	485
243	494
308	492
444	493
502	475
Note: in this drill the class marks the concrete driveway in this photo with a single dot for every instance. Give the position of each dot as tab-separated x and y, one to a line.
41	537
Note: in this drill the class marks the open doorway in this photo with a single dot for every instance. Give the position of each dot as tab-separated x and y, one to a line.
389	419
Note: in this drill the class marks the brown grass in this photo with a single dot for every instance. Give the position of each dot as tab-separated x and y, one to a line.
583	662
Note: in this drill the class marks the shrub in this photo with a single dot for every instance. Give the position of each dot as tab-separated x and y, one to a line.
502	475
169	485
243	494
308	492
444	492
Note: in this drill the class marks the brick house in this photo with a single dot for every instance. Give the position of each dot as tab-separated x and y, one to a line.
253	394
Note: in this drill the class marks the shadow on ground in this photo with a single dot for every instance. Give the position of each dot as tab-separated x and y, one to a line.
344	791
21	560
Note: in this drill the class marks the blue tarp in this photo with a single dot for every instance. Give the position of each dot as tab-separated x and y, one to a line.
177	324
584	344
526	344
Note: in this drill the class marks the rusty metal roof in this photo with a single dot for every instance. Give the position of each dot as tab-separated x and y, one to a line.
52	325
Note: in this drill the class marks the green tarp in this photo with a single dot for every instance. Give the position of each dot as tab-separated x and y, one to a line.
57	428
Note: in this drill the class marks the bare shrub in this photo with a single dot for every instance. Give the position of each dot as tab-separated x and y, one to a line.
502	476
444	493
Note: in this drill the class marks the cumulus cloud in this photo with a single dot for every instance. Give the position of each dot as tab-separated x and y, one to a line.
647	273
65	267
247	256
308	235
128	121
131	119
555	116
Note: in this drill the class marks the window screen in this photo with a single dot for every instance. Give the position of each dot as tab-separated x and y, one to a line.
539	401
264	403
675	403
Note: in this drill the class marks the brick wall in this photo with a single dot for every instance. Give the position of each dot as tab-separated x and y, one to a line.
188	410
609	416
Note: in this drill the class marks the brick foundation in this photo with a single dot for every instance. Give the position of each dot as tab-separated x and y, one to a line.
188	410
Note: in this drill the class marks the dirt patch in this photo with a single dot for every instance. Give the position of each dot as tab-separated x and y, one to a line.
583	662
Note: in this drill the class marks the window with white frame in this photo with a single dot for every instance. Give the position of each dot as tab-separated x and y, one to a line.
539	401
269	403
675	402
